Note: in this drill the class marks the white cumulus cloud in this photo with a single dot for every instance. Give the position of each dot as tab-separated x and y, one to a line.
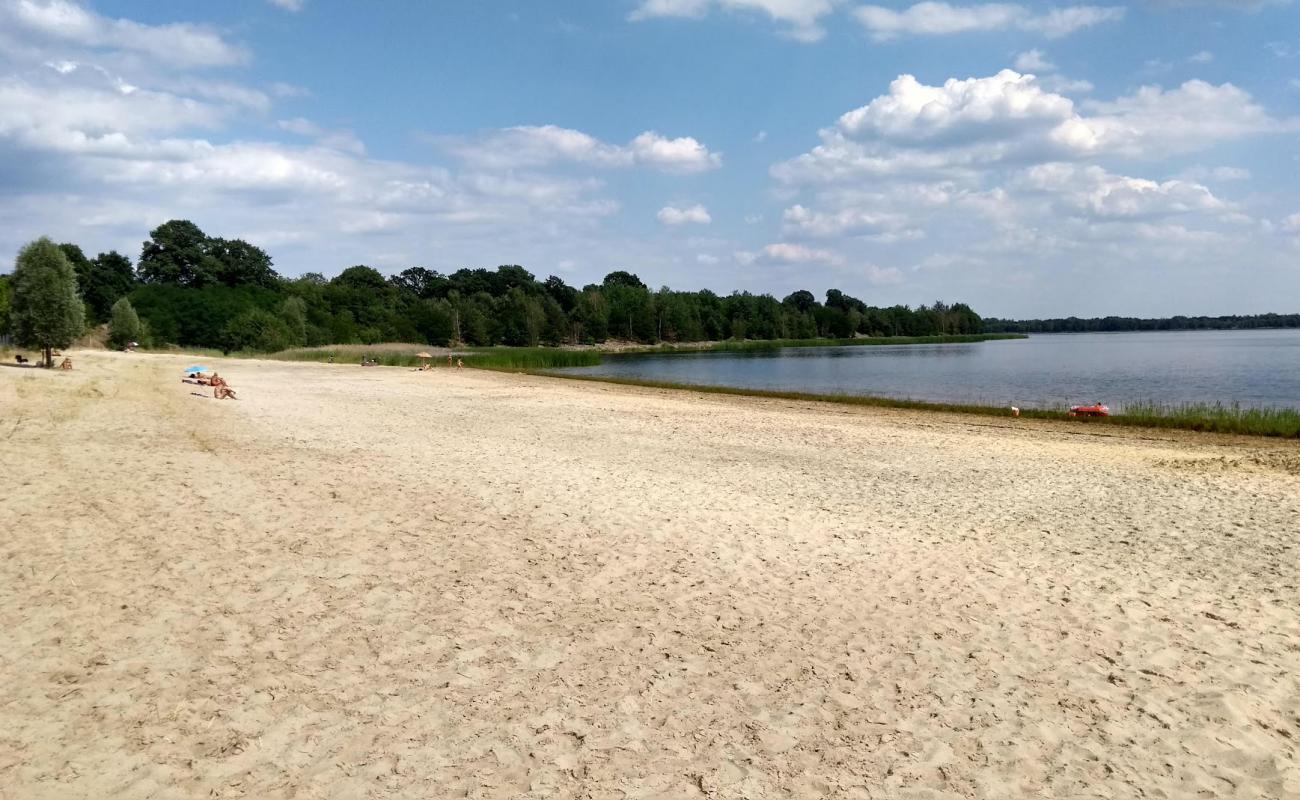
1093	191
913	110
683	154
696	214
976	123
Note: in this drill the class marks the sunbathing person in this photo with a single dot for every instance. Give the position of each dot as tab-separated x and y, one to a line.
220	389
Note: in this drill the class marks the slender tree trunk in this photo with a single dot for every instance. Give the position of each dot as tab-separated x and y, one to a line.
49	358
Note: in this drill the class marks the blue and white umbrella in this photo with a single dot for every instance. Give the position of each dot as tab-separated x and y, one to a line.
195	368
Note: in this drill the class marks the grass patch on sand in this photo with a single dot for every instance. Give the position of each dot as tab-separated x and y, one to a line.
387	355
195	352
404	355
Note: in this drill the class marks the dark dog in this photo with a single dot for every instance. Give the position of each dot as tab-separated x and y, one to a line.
20	359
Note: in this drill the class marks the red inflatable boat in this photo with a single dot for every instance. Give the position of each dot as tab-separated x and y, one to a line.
1097	410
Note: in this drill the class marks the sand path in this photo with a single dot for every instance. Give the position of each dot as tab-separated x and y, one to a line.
380	583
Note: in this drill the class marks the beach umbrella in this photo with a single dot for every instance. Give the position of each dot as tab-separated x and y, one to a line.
424	355
195	368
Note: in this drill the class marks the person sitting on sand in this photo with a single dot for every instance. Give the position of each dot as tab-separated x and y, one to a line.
66	363
220	389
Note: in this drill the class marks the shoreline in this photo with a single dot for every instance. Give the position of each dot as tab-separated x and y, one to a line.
1277	423
1271	423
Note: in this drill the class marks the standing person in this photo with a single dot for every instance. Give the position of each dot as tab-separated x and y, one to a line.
449	359
460	364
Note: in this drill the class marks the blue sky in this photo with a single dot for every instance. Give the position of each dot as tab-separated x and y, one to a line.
1031	159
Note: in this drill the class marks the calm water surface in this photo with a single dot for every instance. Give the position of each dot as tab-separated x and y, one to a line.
1253	368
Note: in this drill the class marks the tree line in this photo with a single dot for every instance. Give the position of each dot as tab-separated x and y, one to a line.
190	289
1110	324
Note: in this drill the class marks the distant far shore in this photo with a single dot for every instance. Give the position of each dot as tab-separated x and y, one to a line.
1230	322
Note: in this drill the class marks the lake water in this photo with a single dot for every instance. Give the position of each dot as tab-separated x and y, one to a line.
1256	368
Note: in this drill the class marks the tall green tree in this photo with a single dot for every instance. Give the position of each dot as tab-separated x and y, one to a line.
124	326
177	252
46	313
421	282
294	314
521	318
80	264
623	278
242	264
108	277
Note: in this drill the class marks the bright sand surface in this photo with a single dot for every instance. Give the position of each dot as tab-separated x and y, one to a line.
382	583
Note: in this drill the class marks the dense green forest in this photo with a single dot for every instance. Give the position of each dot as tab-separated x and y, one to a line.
191	289
1108	324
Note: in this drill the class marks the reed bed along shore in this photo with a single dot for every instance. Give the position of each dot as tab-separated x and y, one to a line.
1215	417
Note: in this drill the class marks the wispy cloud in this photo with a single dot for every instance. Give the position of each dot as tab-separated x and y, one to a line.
801	17
944	19
178	44
533	146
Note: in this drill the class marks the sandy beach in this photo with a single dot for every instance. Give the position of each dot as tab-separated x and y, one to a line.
358	583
